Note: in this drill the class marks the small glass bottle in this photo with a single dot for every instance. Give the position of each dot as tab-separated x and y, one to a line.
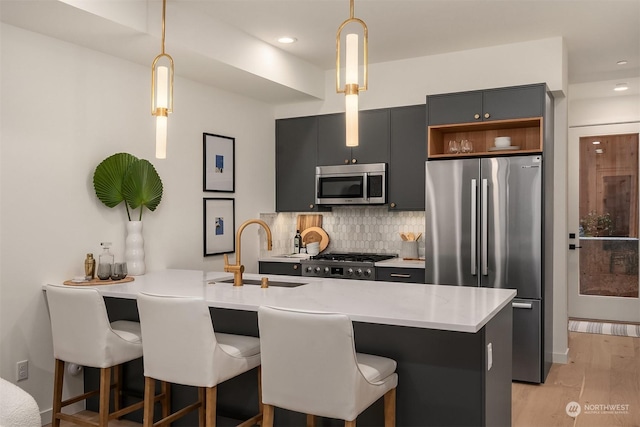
89	267
297	242
105	262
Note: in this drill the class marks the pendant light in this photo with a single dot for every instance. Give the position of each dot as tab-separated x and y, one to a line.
162	92
351	87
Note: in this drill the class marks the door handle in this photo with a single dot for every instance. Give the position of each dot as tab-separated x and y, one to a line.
485	226
574	247
474	196
526	305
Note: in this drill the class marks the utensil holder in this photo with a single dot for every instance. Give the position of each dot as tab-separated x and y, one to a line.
409	249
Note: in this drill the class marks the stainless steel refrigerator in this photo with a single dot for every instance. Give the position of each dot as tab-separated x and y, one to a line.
484	227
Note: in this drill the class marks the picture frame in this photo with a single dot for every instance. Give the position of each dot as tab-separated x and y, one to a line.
219	226
218	163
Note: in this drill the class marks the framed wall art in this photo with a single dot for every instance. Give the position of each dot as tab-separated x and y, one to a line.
219	163
219	226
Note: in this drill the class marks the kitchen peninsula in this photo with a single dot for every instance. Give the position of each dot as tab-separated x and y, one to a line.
452	344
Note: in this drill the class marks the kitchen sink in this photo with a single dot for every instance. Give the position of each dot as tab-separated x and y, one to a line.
274	283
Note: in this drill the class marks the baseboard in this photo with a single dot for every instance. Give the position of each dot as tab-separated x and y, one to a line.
562	358
45	417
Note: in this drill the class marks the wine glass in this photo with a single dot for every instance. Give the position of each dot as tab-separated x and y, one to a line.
454	147
466	146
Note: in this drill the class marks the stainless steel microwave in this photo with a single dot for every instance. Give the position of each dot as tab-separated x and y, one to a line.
357	184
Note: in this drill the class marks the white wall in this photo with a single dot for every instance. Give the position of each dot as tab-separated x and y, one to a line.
64	109
409	81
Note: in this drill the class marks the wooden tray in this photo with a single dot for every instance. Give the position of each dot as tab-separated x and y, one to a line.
98	282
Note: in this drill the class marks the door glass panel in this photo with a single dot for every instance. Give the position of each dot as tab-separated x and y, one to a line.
609	215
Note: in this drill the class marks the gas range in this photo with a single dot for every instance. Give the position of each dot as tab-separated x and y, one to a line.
346	265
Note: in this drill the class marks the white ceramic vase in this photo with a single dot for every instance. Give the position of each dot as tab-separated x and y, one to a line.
134	249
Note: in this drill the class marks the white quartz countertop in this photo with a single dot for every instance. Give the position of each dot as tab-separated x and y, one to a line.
454	308
400	263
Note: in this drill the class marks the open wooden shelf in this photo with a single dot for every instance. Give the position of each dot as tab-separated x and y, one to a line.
525	133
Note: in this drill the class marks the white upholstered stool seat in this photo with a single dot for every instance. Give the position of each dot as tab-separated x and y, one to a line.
181	347
82	334
238	345
309	365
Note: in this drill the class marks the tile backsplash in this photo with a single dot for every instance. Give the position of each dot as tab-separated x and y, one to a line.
350	229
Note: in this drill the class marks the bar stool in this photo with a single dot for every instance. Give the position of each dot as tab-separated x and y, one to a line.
82	334
181	347
309	365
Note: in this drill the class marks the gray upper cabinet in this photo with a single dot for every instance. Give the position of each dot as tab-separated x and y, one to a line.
408	152
374	139
296	146
494	104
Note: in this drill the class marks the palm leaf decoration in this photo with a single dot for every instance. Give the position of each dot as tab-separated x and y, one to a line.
142	186
124	177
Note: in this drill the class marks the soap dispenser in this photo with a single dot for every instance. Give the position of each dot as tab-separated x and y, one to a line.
105	262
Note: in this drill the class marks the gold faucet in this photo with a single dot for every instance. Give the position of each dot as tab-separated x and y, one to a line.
237	269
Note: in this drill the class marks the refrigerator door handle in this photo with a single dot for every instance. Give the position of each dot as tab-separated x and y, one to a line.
522	305
474	196
485	231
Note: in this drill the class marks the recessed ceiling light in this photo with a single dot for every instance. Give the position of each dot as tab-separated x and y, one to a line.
599	151
287	40
620	87
622	62
596	142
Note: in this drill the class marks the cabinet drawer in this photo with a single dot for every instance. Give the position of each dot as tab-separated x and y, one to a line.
395	274
282	268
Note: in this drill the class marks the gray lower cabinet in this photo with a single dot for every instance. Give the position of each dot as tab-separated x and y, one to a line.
399	274
296	146
373	140
280	268
486	105
407	154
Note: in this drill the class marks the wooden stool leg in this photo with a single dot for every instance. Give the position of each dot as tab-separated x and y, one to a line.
105	391
350	423
165	389
117	392
149	392
390	408
311	420
201	399
210	406
260	408
267	416
58	378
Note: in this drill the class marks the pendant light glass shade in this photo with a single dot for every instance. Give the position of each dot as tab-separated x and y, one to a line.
352	87
162	92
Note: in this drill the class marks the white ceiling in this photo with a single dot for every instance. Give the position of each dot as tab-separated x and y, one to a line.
598	33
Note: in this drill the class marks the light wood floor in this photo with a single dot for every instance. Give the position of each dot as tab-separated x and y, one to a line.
602	370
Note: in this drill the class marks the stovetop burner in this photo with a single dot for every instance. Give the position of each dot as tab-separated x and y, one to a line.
343	265
352	257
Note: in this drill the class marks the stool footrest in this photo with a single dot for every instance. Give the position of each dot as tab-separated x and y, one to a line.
178	414
251	421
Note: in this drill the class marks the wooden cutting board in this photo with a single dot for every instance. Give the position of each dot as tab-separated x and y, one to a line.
316	234
307	221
